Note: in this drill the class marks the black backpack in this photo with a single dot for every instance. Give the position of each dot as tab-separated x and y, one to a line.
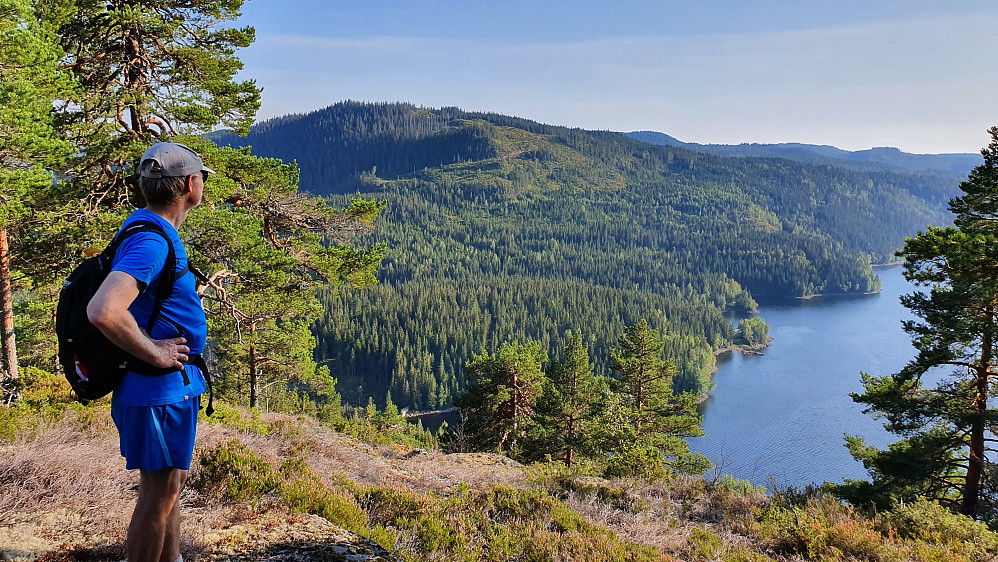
92	364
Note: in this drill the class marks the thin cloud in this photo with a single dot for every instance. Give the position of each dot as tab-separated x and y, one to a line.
920	83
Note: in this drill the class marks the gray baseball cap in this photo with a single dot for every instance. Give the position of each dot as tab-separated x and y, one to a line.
171	159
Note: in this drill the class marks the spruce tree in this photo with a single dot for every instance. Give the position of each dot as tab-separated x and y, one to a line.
659	418
938	402
568	405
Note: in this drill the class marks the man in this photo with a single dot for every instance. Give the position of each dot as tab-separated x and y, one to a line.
156	416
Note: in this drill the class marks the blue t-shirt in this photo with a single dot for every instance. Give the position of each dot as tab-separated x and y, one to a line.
142	256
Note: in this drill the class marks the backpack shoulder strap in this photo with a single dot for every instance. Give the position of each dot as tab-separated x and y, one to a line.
167	277
126	232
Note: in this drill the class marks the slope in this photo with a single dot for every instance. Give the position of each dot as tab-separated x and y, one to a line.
501	228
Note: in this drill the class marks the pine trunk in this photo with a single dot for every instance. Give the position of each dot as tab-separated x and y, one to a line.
975	464
9	359
253	376
56	364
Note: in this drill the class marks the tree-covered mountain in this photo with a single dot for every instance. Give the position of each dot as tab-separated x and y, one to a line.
959	164
503	229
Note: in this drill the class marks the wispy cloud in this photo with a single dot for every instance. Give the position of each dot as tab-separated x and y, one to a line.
870	81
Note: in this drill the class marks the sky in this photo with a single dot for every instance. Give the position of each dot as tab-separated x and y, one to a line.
917	75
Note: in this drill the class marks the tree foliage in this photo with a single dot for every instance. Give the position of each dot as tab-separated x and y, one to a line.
145	72
502	395
661	419
938	402
30	143
752	331
631	425
567	409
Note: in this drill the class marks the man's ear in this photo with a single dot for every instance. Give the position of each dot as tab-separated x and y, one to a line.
188	186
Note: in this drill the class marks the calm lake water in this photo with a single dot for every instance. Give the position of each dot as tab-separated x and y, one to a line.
783	414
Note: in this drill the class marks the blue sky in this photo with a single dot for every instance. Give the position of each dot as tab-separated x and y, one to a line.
912	74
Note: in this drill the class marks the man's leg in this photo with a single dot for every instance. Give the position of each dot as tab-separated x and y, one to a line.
154	532
171	541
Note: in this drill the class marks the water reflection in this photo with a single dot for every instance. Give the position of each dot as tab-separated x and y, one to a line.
784	414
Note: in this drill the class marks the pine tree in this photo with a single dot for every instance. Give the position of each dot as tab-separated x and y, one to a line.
155	71
939	401
268	250
143	72
502	393
29	143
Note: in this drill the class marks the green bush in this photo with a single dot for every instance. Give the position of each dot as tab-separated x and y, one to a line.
636	462
239	473
227	416
404	434
499	523
46	398
931	523
743	487
703	545
307	494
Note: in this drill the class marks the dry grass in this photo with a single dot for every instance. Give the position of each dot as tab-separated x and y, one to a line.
65	495
65	489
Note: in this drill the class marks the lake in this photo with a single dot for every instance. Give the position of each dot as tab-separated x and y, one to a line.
783	414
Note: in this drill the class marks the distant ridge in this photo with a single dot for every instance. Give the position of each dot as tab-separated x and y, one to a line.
872	158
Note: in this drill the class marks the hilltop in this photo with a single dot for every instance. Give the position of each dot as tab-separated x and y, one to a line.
275	487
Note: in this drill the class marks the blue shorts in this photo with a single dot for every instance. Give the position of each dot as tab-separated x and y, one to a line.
157	437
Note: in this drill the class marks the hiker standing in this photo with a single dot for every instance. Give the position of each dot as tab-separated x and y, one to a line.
156	416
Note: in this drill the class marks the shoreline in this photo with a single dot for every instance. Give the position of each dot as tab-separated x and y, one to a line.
410	414
745	350
837	295
755	349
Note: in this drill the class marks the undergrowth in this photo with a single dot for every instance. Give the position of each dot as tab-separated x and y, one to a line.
556	514
494	523
46	399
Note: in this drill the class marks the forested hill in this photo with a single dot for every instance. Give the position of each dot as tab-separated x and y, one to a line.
946	165
500	228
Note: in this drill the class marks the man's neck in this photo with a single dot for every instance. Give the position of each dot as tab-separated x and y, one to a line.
173	214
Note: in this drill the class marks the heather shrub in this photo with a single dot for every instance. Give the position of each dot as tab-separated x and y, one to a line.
498	523
825	529
303	490
720	504
236	471
596	489
932	523
239	474
740	554
703	545
46	398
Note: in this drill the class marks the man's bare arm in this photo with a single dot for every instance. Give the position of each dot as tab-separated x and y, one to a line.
108	311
